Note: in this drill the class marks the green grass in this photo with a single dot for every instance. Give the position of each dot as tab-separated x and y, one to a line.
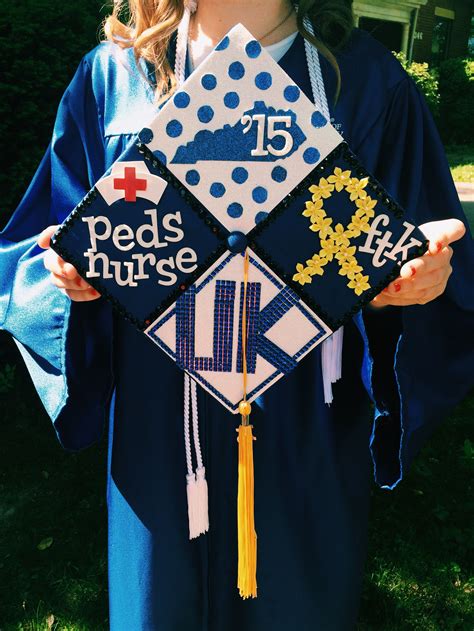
461	160
419	573
52	500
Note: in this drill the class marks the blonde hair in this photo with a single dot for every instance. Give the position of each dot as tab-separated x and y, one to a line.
148	26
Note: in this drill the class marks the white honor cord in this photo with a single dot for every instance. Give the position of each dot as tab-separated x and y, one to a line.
182	43
314	70
196	485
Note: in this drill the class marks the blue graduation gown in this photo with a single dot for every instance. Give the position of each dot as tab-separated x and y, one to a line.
313	463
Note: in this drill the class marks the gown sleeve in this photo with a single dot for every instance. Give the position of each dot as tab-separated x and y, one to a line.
66	346
420	359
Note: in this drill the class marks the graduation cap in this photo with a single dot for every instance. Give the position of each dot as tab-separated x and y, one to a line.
238	233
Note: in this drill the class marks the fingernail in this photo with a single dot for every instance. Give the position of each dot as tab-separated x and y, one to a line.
397	286
93	292
412	270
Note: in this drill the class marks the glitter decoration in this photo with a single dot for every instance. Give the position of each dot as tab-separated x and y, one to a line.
192	177
261	216
231	100
235	210
259	194
217	189
273	310
223	44
209	82
146	135
240	175
161	157
263	80
236	70
318	120
181	100
311	155
253	49
291	93
279	174
205	114
174	129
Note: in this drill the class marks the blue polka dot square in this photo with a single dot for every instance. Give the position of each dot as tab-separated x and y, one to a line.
239	133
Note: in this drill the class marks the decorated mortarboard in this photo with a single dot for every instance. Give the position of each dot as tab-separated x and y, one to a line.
238	233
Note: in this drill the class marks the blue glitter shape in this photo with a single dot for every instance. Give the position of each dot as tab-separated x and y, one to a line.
217	189
240	175
192	177
291	93
161	156
260	216
318	120
223	44
174	129
236	70
231	100
146	135
230	143
205	113
235	210
259	194
208	81
263	80
253	49
181	100
311	155
279	174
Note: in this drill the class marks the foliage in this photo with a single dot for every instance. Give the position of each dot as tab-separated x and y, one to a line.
42	42
461	161
425	78
7	378
456	85
449	92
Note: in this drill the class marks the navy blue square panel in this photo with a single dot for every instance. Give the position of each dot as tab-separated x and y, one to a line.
139	238
338	239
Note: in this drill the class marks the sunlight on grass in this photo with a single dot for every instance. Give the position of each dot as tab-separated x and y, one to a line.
461	161
464	173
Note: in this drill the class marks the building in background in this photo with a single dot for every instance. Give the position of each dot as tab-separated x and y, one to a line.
425	30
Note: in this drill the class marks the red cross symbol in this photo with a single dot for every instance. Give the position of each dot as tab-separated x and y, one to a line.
130	184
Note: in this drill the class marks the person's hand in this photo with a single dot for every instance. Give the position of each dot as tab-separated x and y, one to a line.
64	275
423	279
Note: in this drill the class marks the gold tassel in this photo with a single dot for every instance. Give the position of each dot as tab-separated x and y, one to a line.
247	537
